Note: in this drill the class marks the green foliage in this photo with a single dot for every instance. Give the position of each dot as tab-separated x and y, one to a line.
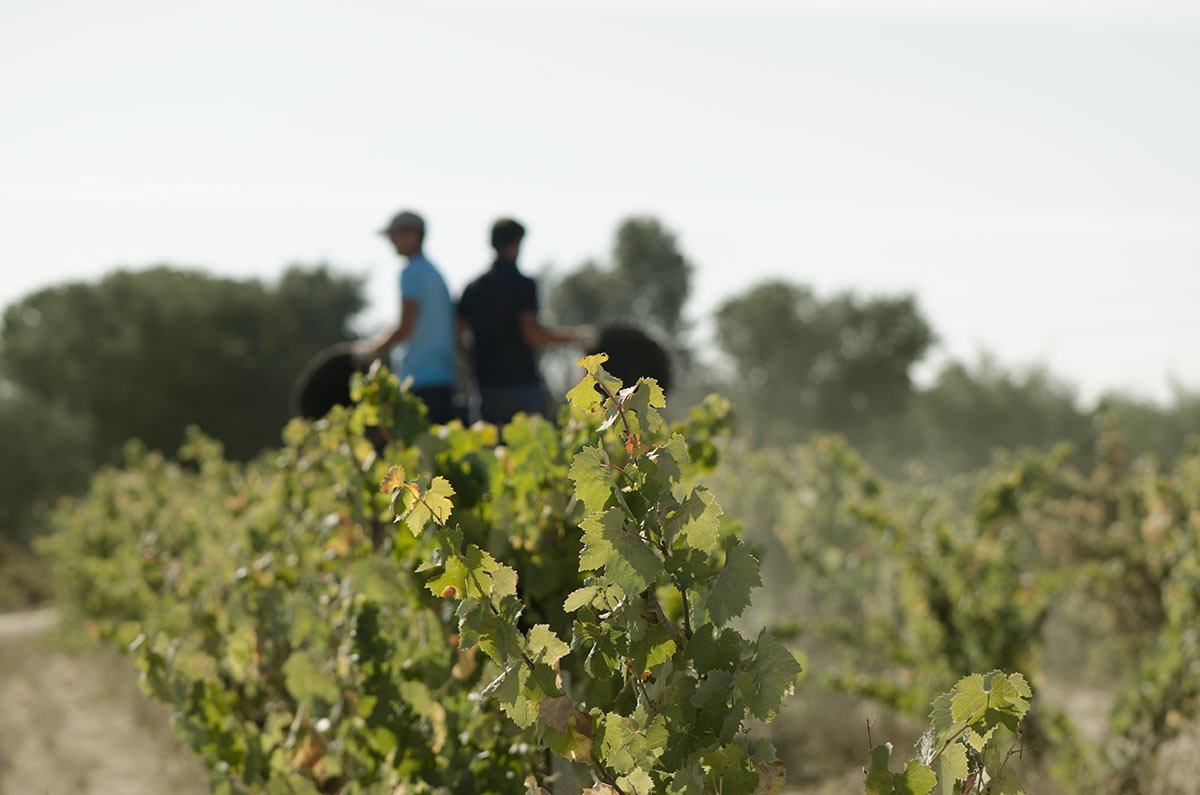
960	752
439	612
941	583
959	422
46	452
145	354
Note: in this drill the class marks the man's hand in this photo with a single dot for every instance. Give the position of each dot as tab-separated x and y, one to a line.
587	336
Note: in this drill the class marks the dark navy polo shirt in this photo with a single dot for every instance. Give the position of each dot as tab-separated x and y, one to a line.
490	306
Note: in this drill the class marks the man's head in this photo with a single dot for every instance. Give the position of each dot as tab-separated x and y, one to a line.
406	230
506	237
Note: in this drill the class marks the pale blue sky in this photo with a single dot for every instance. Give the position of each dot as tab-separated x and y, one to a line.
1030	170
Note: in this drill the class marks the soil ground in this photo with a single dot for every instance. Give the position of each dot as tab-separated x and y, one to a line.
73	722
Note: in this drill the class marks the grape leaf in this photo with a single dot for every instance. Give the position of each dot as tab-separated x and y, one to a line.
545	646
770	777
879	778
950	768
915	780
580	597
306	682
642	399
624	556
697	520
521	691
393	480
434	505
729	592
774	670
593	483
557	712
670	456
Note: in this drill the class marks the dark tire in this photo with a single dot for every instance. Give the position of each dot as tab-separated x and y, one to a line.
632	354
324	382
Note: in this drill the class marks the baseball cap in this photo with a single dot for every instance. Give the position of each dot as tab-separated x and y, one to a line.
405	219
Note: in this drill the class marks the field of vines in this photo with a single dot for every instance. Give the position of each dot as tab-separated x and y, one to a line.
615	604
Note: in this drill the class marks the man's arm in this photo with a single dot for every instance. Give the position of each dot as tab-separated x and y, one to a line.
379	346
538	336
464	337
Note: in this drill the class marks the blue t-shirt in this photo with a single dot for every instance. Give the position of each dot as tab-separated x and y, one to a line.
428	355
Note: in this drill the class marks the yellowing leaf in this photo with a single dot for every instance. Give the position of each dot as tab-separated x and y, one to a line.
394	480
556	712
770	777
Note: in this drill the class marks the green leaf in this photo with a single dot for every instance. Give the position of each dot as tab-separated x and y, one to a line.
774	670
670	457
715	685
731	771
696	520
1007	698
653	648
709	651
545	646
522	691
497	635
917	779
485	578
240	652
950	767
941	721
308	683
1007	784
580	597
638	782
684	783
642	399
688	567
879	778
968	699
593	483
617	743
730	590
435	505
583	396
452	582
626	559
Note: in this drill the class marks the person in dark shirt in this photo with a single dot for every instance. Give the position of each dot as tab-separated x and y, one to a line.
499	332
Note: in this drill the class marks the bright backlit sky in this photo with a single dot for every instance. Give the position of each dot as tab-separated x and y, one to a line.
1030	169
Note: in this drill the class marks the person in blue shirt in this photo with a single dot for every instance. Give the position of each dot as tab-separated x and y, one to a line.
500	332
422	344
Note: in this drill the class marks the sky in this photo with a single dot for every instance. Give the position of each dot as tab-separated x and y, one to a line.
1029	170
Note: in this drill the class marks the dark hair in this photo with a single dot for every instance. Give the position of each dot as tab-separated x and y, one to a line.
505	232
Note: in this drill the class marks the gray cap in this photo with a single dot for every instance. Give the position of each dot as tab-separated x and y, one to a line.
405	219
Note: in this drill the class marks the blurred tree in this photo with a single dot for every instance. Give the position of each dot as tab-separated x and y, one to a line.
804	364
970	412
144	354
647	285
47	451
1166	432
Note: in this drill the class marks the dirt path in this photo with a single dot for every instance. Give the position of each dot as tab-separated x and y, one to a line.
75	723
